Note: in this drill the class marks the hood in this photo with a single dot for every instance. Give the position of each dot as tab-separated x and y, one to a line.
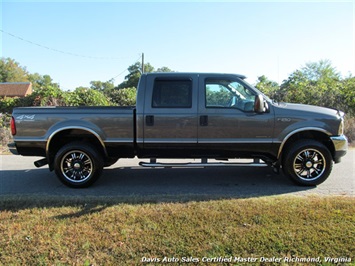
310	109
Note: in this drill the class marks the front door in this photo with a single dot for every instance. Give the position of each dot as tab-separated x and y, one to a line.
228	124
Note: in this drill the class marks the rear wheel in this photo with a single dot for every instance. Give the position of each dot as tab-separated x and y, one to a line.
78	164
307	163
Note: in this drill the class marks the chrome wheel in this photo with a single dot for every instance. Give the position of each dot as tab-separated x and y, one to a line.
309	164
76	166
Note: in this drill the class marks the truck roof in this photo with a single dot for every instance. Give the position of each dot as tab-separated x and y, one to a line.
193	73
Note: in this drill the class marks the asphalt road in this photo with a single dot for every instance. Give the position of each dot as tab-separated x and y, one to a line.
18	176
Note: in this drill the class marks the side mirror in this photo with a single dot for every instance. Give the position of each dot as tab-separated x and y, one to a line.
259	104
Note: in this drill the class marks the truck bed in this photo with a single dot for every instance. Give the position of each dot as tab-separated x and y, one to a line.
113	125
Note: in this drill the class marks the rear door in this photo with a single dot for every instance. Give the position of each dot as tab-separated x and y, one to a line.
170	112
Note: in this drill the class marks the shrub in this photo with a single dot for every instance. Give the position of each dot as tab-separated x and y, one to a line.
123	97
5	133
349	129
85	97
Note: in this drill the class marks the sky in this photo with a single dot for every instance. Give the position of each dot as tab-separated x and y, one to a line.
82	41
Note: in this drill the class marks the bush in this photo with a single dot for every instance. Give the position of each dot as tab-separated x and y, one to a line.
7	104
349	129
85	97
5	133
123	97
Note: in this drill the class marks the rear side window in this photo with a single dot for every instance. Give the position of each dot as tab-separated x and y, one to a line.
172	93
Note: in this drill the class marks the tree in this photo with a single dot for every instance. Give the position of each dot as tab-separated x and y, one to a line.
41	82
131	80
11	71
217	98
135	71
316	83
268	87
164	69
102	86
45	91
348	95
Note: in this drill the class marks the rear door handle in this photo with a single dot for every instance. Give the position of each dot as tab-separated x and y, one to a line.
149	120
204	120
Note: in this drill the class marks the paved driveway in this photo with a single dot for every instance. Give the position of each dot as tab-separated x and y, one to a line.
126	179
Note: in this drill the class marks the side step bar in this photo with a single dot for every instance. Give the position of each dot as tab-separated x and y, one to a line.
204	163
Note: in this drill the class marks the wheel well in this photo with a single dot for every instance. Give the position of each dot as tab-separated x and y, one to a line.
69	135
311	134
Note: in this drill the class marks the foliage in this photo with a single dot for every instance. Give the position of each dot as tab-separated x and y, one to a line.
123	97
5	135
102	86
217	98
41	82
317	83
268	87
45	91
11	71
349	128
131	80
135	71
85	97
163	69
48	96
348	95
7	104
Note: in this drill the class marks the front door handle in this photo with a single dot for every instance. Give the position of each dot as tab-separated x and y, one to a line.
204	120
149	120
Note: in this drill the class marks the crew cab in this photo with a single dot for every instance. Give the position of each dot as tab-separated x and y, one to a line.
184	115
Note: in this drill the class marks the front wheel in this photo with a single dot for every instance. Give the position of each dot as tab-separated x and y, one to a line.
78	164
307	163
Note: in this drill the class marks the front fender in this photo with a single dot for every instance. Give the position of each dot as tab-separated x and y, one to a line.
300	130
299	126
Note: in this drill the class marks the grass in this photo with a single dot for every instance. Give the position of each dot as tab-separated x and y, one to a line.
106	232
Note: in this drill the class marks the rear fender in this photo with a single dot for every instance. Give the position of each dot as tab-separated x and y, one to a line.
92	129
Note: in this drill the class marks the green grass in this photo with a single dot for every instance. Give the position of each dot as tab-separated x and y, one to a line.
40	231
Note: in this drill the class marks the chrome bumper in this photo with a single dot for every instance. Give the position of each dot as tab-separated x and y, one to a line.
340	145
12	148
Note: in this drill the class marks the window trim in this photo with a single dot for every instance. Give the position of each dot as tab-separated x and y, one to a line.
207	82
175	79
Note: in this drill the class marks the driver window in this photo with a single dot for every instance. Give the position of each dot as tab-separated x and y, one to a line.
218	96
228	94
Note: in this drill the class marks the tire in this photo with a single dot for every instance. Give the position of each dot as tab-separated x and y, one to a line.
78	164
307	163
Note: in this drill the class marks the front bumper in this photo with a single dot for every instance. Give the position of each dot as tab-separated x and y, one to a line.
12	148
340	147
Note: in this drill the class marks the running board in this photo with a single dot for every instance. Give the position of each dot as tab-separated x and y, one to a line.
204	163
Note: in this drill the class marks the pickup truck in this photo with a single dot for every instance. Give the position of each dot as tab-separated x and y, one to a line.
184	115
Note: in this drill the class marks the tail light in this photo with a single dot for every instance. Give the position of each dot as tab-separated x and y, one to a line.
13	126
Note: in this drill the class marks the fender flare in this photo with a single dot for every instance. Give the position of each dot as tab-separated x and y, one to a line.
54	133
289	135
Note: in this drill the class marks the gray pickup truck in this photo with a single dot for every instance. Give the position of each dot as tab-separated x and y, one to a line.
184	115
